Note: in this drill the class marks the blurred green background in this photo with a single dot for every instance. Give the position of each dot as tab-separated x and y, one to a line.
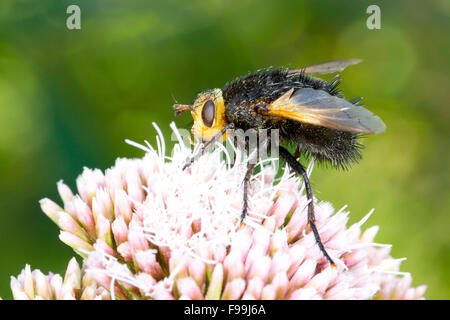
69	98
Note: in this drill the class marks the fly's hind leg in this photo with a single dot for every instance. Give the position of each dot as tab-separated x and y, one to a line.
298	168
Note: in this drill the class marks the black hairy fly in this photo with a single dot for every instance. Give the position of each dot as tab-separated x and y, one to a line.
309	112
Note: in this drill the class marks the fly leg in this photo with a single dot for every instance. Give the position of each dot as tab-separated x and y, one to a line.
207	145
248	175
298	168
298	153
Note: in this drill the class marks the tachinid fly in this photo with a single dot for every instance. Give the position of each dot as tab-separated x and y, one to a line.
310	113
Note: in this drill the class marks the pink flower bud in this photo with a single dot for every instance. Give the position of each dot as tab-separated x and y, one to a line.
17	290
147	262
296	255
64	192
123	206
28	283
297	223
305	294
134	186
136	237
103	229
323	280
188	287
73	274
254	288
233	266
197	270
268	293
283	206
279	242
51	209
279	264
56	286
75	242
215	285
126	251
120	230
280	284
42	285
88	293
84	214
369	234
234	289
88	183
260	268
67	223
101	246
303	274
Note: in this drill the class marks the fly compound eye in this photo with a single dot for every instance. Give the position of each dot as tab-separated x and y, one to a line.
208	113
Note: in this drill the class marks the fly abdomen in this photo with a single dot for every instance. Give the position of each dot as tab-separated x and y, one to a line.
336	148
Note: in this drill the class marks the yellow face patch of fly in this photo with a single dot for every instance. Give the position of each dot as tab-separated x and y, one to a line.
208	124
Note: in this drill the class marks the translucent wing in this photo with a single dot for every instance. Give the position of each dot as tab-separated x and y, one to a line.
319	108
327	67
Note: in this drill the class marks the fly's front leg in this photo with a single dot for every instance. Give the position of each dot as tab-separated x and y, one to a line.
207	145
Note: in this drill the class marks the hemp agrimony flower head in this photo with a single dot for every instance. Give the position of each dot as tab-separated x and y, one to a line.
146	229
76	285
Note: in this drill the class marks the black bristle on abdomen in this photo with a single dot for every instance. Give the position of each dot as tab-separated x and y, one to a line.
338	149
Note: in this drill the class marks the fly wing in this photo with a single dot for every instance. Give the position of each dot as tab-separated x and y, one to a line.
327	67
319	108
